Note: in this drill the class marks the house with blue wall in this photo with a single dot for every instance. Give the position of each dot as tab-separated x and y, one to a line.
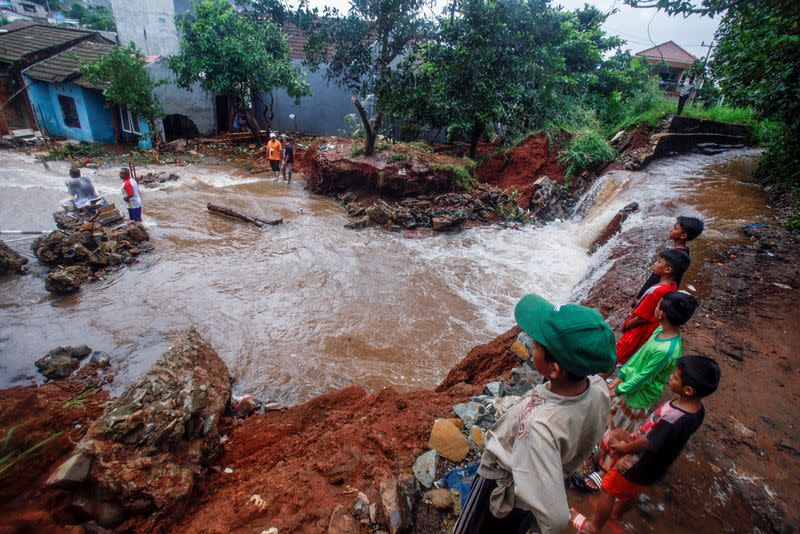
68	105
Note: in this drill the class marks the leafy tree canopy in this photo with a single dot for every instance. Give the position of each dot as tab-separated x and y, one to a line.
93	17
129	83
233	55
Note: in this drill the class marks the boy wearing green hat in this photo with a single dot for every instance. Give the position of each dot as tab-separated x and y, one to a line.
549	432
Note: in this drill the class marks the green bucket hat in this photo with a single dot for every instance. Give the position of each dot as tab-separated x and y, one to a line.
575	336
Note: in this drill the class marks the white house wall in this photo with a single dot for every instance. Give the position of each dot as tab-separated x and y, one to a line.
196	104
320	114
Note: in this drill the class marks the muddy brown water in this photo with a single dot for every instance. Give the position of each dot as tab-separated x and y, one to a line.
301	308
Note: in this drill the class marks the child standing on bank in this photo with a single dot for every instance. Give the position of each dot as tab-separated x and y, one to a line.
549	432
641	322
684	230
645	456
640	382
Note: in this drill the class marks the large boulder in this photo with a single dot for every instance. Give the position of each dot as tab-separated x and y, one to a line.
61	361
152	443
10	261
67	279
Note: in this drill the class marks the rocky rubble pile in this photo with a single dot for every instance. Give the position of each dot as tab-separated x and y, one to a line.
150	446
78	250
153	179
11	262
444	212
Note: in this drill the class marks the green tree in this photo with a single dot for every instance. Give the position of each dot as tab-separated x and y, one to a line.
93	17
232	55
484	66
360	50
129	84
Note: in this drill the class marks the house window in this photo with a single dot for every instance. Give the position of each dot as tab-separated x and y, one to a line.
69	111
130	121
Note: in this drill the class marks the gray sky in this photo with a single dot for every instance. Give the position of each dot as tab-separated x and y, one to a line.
630	24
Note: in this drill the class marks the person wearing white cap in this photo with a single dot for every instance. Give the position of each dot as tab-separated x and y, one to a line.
274	154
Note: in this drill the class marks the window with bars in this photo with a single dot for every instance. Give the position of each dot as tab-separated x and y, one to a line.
69	111
129	120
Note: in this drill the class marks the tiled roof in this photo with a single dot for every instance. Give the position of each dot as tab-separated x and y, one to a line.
63	67
16	25
17	45
669	51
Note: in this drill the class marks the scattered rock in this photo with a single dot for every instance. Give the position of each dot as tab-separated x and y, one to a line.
380	213
11	262
342	522
468	412
476	437
71	472
358	224
425	468
178	145
494	389
245	406
447	223
448	441
61	361
100	359
152	179
440	499
523	379
66	280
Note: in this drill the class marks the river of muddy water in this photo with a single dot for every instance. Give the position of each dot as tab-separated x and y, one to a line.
297	309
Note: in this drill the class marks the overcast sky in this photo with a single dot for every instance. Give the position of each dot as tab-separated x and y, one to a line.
630	24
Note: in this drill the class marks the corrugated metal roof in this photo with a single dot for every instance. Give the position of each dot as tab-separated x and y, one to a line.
63	67
18	44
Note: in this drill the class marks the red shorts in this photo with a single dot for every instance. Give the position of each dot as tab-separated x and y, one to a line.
620	487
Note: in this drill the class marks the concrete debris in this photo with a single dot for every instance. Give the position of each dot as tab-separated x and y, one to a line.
11	262
426	467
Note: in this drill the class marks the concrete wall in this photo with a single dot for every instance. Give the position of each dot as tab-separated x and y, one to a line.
147	23
94	113
196	104
320	114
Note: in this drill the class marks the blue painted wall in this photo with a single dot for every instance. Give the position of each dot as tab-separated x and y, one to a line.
94	114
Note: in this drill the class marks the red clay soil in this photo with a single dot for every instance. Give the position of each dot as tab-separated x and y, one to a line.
484	363
304	461
36	413
519	167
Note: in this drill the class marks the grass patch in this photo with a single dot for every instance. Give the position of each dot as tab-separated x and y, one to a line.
358	151
585	150
398	156
9	458
75	151
464	179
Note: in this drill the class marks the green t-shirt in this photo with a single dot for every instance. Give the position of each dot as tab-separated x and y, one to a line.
644	375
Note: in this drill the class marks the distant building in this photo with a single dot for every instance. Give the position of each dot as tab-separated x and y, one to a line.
67	105
20	48
677	62
29	9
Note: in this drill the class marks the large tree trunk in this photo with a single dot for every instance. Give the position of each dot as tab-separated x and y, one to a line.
252	124
371	128
475	135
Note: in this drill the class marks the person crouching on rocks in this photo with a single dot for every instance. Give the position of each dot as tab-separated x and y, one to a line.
81	187
550	431
130	194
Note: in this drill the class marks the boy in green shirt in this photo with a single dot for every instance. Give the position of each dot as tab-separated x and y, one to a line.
641	380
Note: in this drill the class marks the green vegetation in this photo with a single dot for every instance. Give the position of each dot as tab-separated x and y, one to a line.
128	82
398	156
462	174
584	150
358	151
10	457
75	151
93	17
755	66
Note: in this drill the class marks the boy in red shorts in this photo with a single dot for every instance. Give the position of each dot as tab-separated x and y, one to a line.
643	458
642	322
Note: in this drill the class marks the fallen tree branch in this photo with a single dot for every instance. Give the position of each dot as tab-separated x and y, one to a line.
228	212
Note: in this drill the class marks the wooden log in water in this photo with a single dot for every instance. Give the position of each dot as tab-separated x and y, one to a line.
222	210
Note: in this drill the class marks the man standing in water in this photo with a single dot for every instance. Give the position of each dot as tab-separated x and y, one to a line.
288	159
81	187
130	194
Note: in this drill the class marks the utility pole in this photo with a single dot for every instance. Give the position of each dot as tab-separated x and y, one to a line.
710	46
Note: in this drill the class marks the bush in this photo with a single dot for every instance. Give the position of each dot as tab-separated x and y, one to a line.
464	180
398	156
75	151
585	150
779	165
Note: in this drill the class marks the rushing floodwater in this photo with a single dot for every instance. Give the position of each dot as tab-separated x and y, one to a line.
299	308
